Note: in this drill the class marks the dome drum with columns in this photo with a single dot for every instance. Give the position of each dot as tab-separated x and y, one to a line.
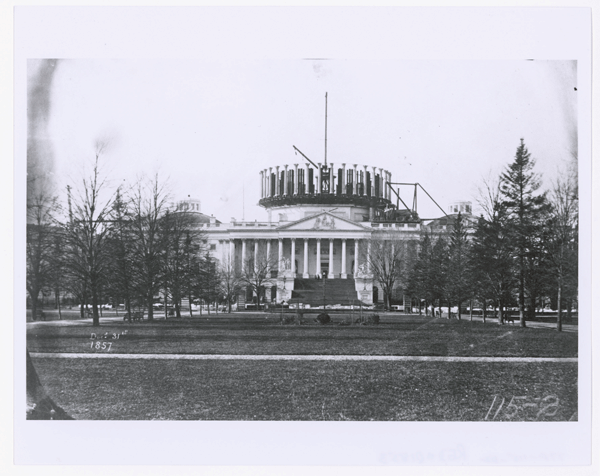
360	190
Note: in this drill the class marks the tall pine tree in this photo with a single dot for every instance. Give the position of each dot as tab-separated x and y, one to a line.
519	184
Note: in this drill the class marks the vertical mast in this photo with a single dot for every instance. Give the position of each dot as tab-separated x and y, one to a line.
325	130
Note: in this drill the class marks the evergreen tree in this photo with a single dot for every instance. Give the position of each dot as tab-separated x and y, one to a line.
417	282
458	263
438	272
491	260
519	184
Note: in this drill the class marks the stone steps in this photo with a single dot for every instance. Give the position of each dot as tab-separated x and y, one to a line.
336	291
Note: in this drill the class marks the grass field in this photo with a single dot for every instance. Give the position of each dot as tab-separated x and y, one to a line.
250	390
406	335
149	389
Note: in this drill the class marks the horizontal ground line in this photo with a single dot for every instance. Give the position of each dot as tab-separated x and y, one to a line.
417	358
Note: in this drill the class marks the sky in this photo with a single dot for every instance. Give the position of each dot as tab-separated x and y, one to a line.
209	127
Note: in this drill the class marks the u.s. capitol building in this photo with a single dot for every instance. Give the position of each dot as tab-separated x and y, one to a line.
321	222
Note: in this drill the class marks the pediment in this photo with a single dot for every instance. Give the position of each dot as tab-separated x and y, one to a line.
323	222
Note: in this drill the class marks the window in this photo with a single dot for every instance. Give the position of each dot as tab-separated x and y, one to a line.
213	246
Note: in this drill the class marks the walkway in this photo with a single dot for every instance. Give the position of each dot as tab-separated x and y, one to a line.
392	358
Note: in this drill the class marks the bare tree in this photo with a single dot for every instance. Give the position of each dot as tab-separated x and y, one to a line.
390	260
256	274
148	205
230	281
87	229
42	231
563	237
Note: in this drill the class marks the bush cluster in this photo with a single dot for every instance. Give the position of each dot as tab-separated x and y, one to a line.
323	318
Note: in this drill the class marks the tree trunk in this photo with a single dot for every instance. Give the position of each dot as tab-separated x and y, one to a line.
522	299
559	309
95	315
128	307
483	309
149	303
57	297
34	305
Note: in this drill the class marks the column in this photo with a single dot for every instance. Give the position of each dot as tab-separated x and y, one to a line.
280	255
373	184
266	183
355	257
262	184
232	253
344	275
319	178
330	276
243	255
285	181
255	256
277	191
269	184
385	187
295	179
293	263
268	258
343	179
355	182
305	266
318	256
306	187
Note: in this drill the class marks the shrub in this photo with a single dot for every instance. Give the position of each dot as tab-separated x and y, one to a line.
323	318
296	318
372	320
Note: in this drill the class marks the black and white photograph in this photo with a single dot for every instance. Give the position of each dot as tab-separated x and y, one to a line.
364	243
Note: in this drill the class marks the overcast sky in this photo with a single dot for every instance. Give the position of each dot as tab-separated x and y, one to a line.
211	126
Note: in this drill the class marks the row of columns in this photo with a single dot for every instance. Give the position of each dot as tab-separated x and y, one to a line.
280	257
266	177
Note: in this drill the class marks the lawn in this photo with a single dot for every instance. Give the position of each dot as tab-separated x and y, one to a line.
151	389
301	390
396	335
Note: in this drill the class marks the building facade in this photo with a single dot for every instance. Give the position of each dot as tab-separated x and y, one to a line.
321	223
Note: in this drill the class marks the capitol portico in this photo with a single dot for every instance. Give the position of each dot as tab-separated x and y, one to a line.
321	222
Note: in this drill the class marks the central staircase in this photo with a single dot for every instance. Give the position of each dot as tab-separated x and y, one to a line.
336	291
